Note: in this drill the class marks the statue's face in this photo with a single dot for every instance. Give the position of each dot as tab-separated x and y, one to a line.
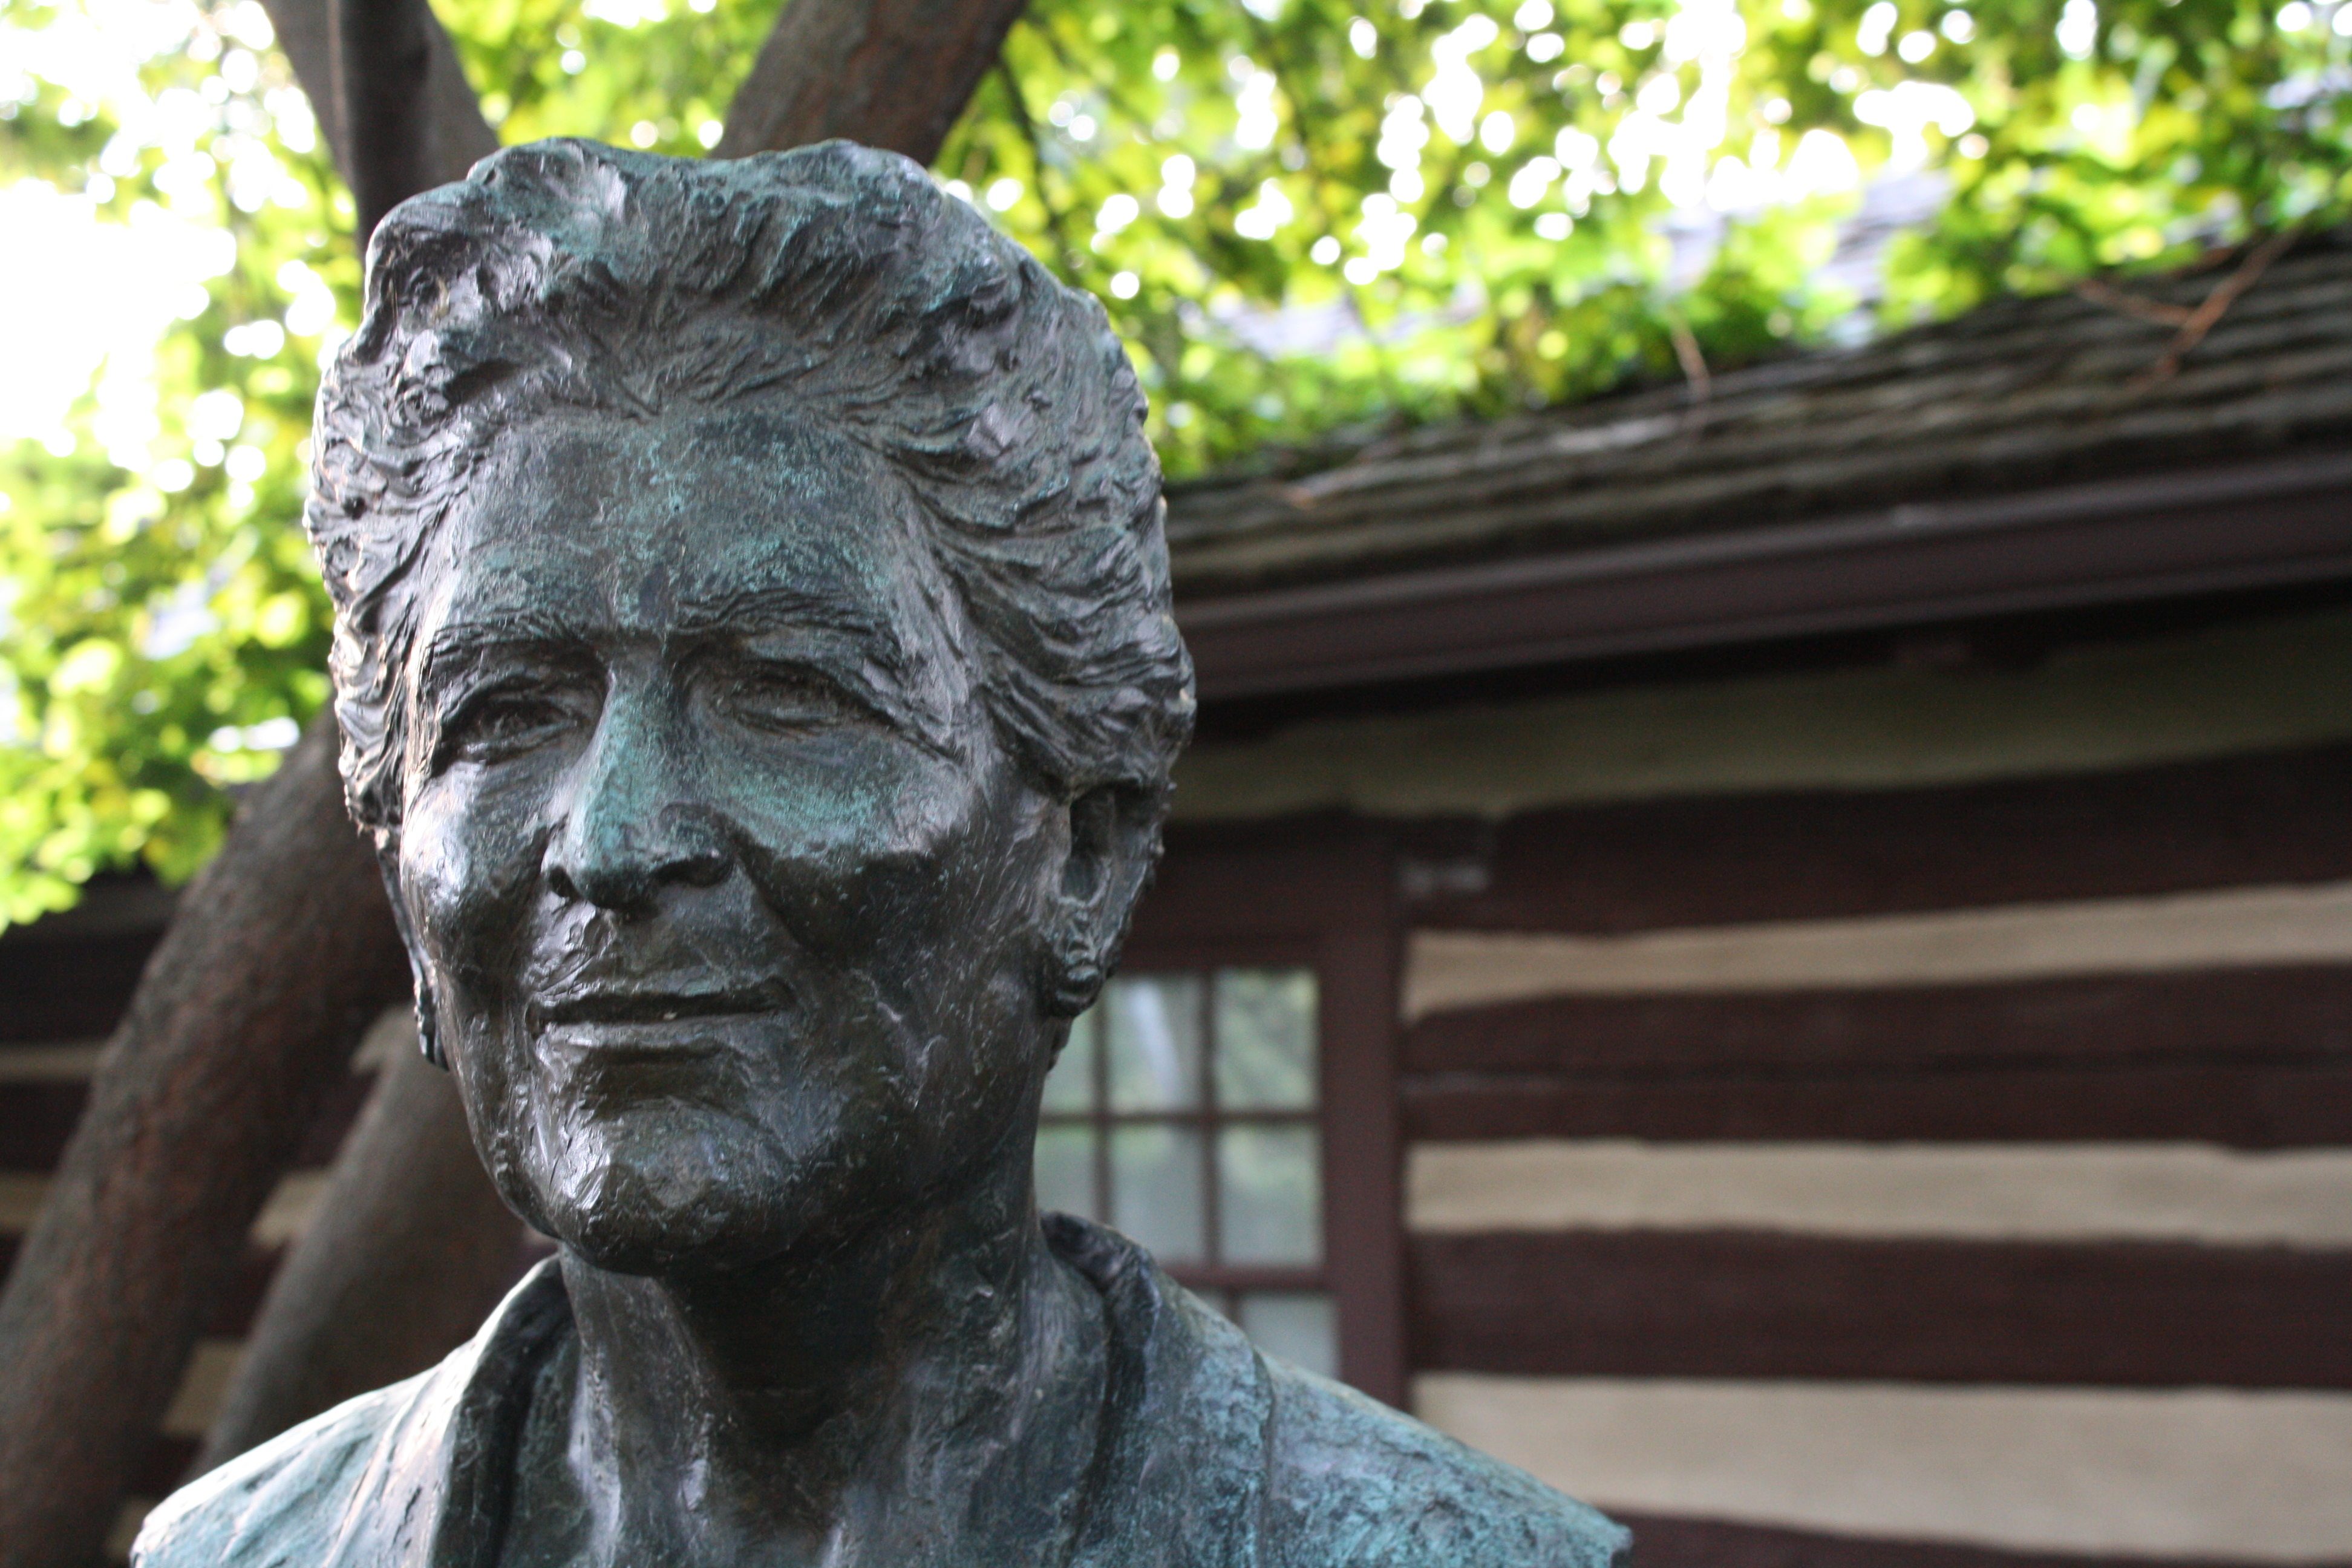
726	894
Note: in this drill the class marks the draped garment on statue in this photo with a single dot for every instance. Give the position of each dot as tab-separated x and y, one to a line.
1214	1457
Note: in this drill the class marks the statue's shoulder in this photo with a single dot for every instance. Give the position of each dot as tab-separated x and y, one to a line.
288	1501
1230	1455
1355	1484
408	1474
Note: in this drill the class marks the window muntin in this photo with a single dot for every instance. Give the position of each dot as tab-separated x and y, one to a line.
1185	1114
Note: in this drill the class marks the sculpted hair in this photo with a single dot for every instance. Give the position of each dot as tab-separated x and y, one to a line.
566	275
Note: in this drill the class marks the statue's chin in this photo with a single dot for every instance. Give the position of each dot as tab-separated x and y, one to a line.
658	1200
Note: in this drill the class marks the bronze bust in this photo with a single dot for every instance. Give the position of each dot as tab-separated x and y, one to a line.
754	663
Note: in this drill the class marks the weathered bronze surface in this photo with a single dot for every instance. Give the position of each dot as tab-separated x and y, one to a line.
754	660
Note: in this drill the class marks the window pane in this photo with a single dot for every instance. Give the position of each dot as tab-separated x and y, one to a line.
1273	1194
1297	1325
1154	1028
1265	1039
1070	1086
1155	1185
1065	1171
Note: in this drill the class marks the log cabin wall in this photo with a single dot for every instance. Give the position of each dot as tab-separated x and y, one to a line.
1889	1116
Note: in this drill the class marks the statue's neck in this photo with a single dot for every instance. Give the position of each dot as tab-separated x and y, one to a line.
905	1398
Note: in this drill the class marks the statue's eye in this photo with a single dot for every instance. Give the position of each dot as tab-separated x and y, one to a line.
503	722
784	700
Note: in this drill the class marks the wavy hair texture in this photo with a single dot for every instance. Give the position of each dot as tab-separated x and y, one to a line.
836	278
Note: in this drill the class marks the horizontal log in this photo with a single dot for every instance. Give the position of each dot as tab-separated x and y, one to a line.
1664	1541
69	988
2171	1192
36	1120
2236	1107
2230	928
166	1466
2253	1059
2282	817
2283	1015
1746	1304
2201	1474
1208	893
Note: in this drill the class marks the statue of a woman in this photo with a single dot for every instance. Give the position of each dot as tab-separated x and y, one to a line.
754	660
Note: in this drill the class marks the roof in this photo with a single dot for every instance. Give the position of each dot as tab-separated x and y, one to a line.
1924	435
2014	396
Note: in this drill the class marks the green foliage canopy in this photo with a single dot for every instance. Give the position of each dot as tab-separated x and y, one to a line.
1308	216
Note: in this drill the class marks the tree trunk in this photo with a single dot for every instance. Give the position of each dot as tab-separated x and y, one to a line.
890	73
453	134
281	955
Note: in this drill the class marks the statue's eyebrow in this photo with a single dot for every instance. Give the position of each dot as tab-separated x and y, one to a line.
458	644
865	652
759	611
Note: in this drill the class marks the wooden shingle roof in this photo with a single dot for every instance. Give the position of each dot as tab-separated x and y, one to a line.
2019	395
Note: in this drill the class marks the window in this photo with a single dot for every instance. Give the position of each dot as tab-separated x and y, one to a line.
1185	1114
1231	1101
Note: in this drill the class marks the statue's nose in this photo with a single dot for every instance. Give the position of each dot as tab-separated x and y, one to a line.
632	828
623	867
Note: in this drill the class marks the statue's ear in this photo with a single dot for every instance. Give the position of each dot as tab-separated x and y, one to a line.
1114	839
429	1022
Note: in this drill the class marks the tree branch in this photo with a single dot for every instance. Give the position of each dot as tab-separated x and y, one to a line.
454	133
890	73
2190	325
377	52
2216	304
2101	292
1687	355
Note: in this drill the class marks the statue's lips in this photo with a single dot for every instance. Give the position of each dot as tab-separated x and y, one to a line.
654	1003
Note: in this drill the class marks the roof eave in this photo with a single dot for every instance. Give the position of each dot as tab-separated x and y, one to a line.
2275	523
